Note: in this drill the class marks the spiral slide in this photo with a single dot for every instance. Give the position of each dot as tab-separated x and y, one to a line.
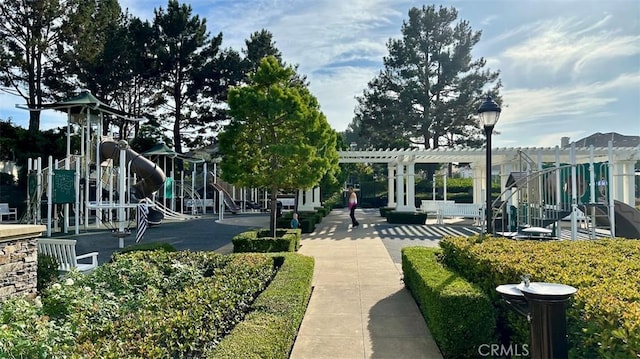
150	175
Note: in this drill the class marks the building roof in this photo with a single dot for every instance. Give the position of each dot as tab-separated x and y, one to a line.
599	139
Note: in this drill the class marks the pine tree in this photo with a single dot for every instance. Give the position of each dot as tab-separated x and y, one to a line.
430	86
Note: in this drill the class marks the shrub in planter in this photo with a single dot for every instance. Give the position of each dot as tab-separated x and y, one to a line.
286	240
459	315
385	210
322	210
406	217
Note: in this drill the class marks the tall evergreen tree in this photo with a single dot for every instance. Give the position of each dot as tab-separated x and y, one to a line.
29	33
260	44
430	85
183	47
277	139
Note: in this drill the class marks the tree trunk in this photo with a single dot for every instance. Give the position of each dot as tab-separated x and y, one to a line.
34	121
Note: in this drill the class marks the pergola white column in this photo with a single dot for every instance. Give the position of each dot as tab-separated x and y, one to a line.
505	171
627	181
478	180
316	197
306	200
391	175
401	205
411	186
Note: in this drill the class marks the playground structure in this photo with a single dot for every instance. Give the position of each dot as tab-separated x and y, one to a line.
541	195
106	180
592	185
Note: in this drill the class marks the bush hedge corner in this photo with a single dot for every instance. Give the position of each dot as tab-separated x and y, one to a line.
459	315
286	240
269	331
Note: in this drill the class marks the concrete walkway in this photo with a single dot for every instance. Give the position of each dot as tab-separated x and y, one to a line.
359	307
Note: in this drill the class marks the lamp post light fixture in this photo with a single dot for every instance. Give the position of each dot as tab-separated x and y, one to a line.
489	112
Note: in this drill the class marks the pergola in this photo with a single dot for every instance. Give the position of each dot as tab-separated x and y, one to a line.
401	166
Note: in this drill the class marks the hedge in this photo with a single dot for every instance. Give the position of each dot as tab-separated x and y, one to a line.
406	217
459	315
603	319
286	240
385	210
307	221
143	305
270	329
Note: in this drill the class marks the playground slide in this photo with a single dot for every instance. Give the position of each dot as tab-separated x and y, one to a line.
627	219
228	200
151	176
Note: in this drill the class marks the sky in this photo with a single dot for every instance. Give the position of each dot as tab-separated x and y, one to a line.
568	68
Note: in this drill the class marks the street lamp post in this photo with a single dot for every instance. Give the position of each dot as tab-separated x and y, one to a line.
489	112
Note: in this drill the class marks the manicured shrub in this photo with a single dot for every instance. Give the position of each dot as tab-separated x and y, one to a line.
142	305
150	246
307	221
269	331
47	271
459	315
26	333
603	319
385	210
322	210
406	217
286	240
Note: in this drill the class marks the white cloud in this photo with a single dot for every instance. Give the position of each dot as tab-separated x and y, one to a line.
586	99
336	91
568	44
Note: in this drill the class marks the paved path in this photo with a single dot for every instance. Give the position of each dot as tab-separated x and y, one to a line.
359	307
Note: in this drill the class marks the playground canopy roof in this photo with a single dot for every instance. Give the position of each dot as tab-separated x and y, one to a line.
161	149
83	102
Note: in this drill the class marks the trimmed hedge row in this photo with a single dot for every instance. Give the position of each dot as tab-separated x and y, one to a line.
406	217
604	317
286	240
308	219
270	329
459	315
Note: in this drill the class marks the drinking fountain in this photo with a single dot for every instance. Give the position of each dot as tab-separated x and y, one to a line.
544	306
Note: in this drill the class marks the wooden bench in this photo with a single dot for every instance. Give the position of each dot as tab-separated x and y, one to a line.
454	210
64	251
6	211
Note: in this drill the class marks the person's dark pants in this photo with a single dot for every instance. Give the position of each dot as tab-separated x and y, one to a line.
353	216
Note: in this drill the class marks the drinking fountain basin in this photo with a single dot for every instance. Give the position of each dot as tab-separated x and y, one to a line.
546	291
535	290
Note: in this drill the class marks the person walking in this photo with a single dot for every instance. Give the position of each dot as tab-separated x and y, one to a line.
353	204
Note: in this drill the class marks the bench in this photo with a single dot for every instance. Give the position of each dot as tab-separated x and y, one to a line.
6	211
64	251
464	210
432	206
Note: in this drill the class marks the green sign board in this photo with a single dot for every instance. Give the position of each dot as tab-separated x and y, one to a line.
64	189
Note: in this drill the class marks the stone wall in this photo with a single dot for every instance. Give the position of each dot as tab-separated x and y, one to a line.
18	260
